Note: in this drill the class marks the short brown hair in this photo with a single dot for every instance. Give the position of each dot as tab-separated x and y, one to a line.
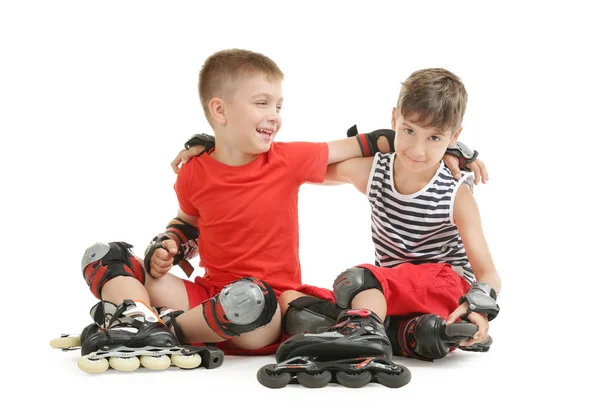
433	97
223	68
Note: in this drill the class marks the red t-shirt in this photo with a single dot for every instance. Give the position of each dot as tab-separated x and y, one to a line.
248	215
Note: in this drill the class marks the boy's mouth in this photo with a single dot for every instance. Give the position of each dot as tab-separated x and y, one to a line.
266	133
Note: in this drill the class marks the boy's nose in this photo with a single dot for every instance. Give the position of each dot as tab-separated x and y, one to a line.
418	149
274	118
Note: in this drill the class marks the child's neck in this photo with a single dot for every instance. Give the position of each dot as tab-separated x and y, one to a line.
231	156
407	182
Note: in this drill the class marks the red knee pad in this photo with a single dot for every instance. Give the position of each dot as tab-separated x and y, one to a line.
102	262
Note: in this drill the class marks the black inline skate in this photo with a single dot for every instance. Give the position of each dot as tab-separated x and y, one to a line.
428	337
353	353
125	336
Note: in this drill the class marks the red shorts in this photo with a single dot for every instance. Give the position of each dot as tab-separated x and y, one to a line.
418	289
201	290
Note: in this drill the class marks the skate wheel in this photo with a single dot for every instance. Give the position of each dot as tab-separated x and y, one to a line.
124	364
67	342
93	366
161	362
267	377
314	381
190	361
394	381
353	380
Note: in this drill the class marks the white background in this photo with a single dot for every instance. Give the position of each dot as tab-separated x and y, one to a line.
96	99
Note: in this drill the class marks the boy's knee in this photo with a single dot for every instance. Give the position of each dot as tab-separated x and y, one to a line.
102	262
351	282
241	307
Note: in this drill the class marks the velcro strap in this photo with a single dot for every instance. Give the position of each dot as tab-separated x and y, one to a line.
363	143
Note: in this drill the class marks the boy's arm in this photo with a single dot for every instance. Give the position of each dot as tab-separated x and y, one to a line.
468	221
355	171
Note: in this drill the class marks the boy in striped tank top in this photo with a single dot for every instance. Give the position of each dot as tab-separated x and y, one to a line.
432	260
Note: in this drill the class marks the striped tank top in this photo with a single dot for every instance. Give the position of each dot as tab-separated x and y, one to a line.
416	228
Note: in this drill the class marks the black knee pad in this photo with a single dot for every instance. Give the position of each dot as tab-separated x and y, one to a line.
102	262
309	314
241	307
351	282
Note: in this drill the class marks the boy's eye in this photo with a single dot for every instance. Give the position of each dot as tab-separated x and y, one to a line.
409	131
279	108
262	103
434	138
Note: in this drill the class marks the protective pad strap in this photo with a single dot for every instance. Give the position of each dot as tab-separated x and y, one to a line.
464	154
309	314
103	262
208	141
481	298
368	141
241	307
186	239
351	282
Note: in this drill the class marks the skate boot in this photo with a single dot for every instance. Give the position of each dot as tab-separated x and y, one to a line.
427	337
353	353
125	336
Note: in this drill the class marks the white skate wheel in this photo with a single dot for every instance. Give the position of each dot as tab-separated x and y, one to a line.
93	366
124	364
65	342
186	361
161	362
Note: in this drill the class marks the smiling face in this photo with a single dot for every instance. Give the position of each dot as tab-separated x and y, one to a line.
420	149
251	115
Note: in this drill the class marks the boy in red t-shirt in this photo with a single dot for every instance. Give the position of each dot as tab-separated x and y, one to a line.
238	209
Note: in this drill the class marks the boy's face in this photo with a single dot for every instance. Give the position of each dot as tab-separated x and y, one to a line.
420	148
252	114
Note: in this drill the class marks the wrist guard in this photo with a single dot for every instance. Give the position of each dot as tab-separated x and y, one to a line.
464	154
207	141
186	238
481	298
368	142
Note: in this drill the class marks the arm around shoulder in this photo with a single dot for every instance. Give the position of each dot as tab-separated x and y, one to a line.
355	171
468	221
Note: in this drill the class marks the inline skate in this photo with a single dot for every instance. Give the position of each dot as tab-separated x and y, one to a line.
353	353
132	334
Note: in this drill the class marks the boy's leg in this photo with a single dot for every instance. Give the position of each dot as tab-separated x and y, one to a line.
419	297
115	274
245	313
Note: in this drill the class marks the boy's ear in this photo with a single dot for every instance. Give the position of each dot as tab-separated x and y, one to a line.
455	136
216	107
394	118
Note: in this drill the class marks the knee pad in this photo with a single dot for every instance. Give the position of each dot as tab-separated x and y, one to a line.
102	262
241	307
351	282
309	314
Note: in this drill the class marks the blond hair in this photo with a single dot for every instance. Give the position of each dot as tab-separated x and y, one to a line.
222	69
433	97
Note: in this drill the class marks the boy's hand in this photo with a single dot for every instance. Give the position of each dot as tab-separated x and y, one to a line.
477	166
161	260
185	155
198	144
479	319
